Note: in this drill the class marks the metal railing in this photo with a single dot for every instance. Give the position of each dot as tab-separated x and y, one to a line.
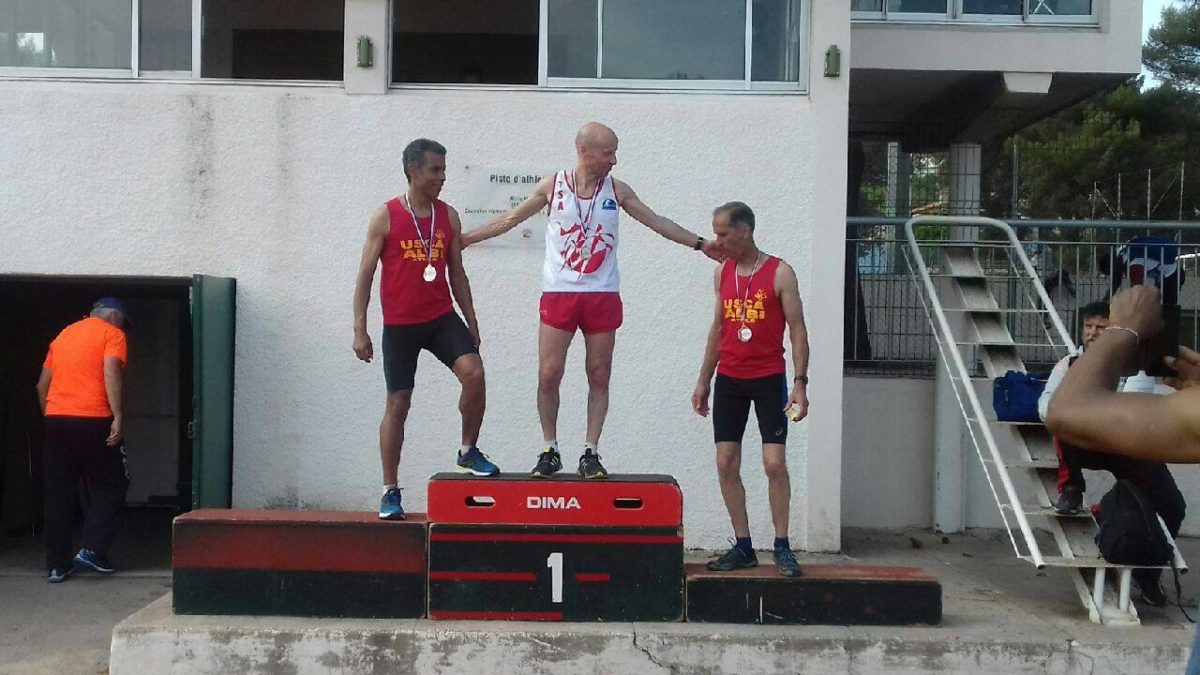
887	334
971	407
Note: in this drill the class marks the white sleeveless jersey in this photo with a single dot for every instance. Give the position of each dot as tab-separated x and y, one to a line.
581	238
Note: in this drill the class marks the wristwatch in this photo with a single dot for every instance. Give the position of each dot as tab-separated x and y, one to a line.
801	378
699	244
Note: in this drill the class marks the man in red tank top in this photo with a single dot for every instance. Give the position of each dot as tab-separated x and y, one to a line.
417	239
756	297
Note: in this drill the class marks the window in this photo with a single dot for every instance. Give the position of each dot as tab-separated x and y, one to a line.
916	7
1009	8
1061	8
465	41
987	11
165	35
255	39
66	34
273	39
667	42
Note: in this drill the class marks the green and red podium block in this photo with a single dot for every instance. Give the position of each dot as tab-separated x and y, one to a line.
516	548
838	595
299	563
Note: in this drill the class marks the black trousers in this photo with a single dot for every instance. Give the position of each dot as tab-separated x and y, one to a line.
75	451
1154	479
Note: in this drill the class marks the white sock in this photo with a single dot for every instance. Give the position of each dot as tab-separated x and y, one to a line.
462	450
551	445
388	487
590	448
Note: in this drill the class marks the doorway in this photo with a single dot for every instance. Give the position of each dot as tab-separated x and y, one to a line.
159	394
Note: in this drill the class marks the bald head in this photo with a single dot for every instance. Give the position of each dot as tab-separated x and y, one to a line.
596	146
594	133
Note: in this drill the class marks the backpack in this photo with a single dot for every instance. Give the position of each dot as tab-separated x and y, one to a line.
1015	396
1129	530
1130	533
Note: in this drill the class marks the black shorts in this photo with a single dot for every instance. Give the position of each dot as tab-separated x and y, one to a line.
731	407
446	337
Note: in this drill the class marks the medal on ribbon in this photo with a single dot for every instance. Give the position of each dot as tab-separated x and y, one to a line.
430	273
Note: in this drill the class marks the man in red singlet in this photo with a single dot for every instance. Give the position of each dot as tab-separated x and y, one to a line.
417	239
757	296
580	282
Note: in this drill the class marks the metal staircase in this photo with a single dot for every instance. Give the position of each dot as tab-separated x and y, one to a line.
979	338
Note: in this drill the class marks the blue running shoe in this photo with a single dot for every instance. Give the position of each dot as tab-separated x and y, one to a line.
389	506
59	574
476	463
90	559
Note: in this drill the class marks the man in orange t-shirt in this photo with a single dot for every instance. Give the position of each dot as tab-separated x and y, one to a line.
80	394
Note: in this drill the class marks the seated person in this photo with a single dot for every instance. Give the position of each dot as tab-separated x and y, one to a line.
1071	483
1154	479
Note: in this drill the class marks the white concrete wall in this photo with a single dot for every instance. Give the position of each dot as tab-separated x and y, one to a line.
888	476
1115	46
273	186
887	456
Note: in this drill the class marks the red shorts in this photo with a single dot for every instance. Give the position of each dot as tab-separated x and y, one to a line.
589	312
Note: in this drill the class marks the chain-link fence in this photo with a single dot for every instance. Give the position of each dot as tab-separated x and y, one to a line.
888	333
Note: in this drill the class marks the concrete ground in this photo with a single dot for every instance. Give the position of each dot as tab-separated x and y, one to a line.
66	629
989	596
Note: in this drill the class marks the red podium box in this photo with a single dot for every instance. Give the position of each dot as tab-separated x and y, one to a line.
515	548
638	500
299	563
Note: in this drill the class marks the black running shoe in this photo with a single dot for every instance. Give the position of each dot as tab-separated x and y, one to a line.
786	560
590	466
733	559
548	464
1070	502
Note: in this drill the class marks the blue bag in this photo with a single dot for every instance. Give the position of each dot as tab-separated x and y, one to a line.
1015	396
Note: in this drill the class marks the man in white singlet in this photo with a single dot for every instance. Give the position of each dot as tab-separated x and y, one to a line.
580	281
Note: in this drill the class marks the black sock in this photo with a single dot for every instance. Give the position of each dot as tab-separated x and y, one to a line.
782	543
744	544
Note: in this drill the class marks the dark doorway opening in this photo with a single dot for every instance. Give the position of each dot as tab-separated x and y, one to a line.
157	400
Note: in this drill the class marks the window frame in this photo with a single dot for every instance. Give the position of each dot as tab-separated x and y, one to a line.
746	84
135	72
88	73
955	16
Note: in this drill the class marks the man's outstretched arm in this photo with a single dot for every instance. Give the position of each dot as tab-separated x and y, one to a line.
666	227
1088	411
506	221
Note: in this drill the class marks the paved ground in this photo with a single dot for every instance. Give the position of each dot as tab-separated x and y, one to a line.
65	629
988	595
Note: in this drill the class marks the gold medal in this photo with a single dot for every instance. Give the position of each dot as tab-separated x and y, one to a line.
430	273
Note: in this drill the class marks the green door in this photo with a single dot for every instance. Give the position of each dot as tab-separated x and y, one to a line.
213	307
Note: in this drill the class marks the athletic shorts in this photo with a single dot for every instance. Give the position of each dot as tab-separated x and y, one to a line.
731	407
446	337
589	312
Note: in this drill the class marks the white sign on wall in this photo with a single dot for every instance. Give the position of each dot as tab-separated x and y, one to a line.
486	192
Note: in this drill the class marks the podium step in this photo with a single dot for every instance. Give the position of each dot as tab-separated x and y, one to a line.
299	563
844	595
555	573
